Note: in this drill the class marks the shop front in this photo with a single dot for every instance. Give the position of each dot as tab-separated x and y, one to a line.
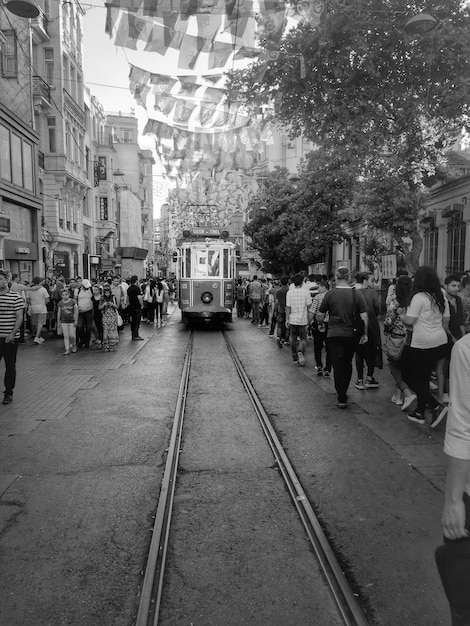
20	257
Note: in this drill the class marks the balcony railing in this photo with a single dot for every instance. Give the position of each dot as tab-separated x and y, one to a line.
41	93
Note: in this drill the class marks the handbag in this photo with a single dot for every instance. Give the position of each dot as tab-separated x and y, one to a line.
394	345
120	321
358	324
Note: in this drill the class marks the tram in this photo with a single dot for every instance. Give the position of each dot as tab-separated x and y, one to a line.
206	275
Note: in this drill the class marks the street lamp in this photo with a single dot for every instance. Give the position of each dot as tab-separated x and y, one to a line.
421	23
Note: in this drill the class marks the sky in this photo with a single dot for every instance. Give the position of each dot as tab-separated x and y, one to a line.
106	71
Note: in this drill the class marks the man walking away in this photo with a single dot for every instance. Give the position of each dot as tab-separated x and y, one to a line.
11	319
255	295
341	306
280	309
134	298
371	351
298	301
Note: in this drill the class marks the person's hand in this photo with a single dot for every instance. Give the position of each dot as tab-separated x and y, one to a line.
453	520
363	339
10	338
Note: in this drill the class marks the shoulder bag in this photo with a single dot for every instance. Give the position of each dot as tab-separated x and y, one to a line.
358	324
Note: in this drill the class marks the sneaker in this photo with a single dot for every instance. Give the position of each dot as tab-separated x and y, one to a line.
408	401
74	348
279	343
326	374
341	405
66	352
38	340
445	398
360	384
416	417
271	335
438	415
295	360
371	383
432	386
7	398
319	371
301	358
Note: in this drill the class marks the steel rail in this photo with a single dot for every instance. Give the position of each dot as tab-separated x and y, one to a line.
151	593
346	602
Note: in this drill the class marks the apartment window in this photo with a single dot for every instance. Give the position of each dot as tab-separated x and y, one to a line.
28	166
51	133
5	162
126	136
73	83
66	74
430	244
16	159
9	55
456	244
49	65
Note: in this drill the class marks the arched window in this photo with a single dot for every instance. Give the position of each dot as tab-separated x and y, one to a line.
456	228
430	243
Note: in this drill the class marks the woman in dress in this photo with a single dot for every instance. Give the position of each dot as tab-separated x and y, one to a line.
97	314
428	314
108	307
398	301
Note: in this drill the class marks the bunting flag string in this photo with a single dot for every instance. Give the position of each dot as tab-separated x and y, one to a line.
195	124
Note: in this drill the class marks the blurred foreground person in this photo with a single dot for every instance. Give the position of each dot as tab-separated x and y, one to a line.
453	557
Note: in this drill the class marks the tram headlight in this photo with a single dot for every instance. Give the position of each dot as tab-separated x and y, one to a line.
207	297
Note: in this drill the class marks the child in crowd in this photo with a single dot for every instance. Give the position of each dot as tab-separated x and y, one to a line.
67	321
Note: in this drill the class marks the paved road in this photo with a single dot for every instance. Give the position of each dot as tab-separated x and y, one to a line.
81	455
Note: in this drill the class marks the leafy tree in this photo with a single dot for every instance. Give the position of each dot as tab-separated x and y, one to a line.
294	227
390	101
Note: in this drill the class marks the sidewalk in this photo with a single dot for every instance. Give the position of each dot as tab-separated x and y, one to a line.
47	381
420	446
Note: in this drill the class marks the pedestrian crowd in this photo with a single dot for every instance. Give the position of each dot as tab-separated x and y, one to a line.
83	311
422	319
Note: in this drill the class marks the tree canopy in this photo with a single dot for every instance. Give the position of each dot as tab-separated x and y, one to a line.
383	101
293	225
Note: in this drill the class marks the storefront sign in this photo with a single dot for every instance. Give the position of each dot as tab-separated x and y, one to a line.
94	260
22	250
103	208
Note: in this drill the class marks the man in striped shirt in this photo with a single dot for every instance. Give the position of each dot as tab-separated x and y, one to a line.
11	318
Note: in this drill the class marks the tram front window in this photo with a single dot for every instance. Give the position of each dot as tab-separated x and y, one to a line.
214	263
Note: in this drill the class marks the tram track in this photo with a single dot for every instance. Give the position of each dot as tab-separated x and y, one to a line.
151	594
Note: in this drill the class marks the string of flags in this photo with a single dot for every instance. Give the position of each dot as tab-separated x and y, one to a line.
179	52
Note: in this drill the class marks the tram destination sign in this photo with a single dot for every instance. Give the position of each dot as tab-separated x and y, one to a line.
202	231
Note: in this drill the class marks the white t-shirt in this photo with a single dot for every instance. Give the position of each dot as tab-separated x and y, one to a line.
428	331
457	439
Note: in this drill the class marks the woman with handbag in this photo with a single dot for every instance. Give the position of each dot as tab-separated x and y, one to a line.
428	314
396	334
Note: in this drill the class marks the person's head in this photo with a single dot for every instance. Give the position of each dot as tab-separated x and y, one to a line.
37	280
107	290
96	290
255	277
86	284
116	281
297	279
426	280
65	293
4	278
14	278
284	280
134	279
73	283
465	281
363	278
323	286
343	274
402	272
403	290
452	285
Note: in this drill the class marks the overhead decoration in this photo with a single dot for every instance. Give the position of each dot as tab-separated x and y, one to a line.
179	52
